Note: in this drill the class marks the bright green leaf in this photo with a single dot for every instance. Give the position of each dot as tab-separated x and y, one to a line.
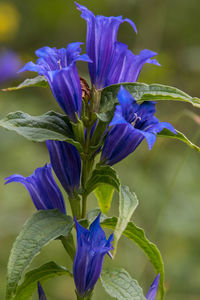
104	194
137	235
179	136
43	273
102	175
120	285
127	204
30	82
50	126
39	230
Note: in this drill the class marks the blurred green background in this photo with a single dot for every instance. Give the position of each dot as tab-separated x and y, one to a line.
165	179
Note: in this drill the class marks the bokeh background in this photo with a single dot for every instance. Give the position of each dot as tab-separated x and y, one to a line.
165	179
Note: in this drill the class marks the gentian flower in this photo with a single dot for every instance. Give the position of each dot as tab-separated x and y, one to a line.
112	61
42	188
151	295
59	68
92	246
66	163
41	292
9	65
130	125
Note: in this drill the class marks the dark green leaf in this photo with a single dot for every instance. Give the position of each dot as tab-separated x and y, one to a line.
39	230
104	194
50	126
127	204
137	235
141	92
43	273
102	175
179	136
30	82
120	285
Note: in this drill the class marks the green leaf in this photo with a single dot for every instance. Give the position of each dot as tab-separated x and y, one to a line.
50	126
120	285
141	92
127	204
30	82
137	235
179	136
102	175
43	273
39	230
104	194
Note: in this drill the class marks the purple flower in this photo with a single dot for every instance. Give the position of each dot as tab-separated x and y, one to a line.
112	62
59	68
41	292
125	66
9	65
130	125
42	188
92	246
151	295
66	163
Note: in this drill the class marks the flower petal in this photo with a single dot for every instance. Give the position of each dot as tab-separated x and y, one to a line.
42	188
151	295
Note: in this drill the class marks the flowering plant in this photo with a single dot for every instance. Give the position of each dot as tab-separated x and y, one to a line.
101	125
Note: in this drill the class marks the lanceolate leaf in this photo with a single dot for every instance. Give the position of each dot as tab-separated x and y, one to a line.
120	285
30	82
39	230
102	175
137	235
179	136
144	92
43	273
104	194
127	204
50	126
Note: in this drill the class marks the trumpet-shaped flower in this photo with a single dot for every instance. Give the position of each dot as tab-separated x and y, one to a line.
41	293
59	68
42	188
92	246
112	62
151	295
66	163
130	125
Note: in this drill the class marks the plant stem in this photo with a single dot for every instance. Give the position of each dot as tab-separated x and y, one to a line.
75	207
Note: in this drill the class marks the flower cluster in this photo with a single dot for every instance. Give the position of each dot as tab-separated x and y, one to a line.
109	62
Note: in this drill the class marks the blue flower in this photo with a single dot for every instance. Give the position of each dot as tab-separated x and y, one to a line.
59	68
66	163
41	292
130	125
112	62
92	246
9	65
151	295
42	188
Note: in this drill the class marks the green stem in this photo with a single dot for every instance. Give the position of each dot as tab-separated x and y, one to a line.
83	298
75	207
68	244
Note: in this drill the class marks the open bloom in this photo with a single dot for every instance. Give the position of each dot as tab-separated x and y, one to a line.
112	62
130	125
41	293
59	68
92	246
66	163
151	295
42	188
